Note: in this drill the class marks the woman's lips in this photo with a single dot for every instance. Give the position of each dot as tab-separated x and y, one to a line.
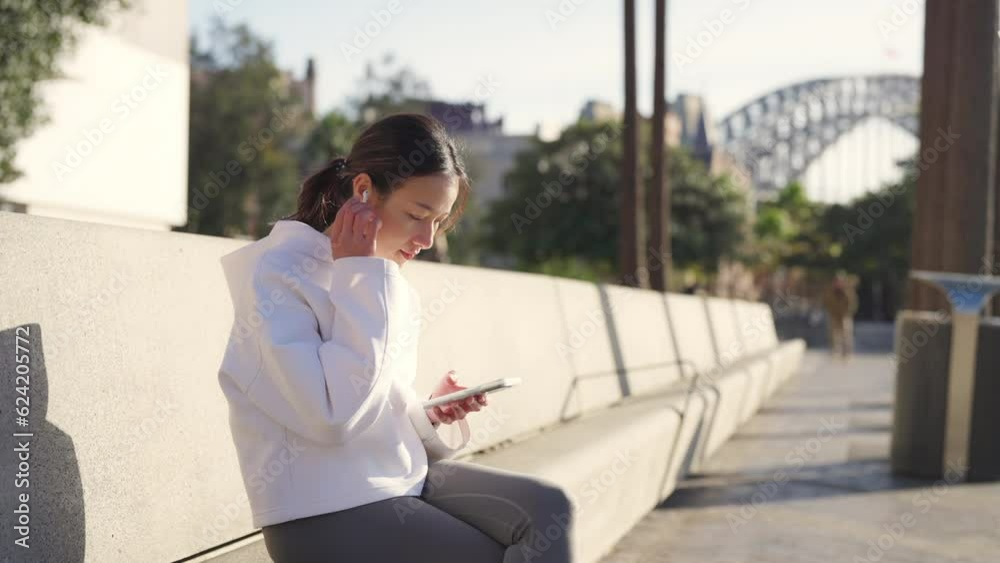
406	254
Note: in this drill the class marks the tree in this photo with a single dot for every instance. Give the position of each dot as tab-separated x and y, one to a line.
872	234
333	135
786	230
32	36
387	88
708	214
561	211
868	237
245	128
562	200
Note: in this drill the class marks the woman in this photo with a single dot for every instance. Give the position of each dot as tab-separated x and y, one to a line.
339	459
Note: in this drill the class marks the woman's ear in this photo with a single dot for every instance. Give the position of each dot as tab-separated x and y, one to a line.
360	184
363	183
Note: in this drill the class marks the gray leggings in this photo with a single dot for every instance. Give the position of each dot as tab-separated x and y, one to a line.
466	513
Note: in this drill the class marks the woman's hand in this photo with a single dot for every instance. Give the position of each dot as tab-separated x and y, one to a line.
455	410
354	229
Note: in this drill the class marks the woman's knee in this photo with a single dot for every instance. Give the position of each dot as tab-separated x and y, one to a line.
550	505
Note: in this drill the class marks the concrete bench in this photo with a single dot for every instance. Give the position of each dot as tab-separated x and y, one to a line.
625	391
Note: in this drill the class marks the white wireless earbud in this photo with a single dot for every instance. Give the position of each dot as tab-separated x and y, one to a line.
364	196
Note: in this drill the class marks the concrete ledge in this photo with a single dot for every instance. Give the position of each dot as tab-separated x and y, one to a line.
738	394
614	465
618	463
135	459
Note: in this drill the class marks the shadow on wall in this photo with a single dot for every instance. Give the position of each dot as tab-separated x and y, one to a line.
621	371
42	494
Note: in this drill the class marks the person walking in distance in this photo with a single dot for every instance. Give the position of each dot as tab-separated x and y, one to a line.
840	302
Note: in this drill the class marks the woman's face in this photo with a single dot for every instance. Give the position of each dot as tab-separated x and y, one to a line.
410	215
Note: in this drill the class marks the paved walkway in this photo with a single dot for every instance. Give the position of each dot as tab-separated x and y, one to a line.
807	480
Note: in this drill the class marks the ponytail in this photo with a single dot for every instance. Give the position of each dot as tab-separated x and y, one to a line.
322	194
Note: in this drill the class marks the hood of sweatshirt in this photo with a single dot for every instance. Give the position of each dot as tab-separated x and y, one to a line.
294	237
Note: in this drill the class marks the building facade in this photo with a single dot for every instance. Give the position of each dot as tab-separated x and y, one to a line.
115	148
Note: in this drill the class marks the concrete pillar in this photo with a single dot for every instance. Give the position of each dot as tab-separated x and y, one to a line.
954	225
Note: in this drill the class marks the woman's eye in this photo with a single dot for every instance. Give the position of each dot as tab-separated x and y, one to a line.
415	218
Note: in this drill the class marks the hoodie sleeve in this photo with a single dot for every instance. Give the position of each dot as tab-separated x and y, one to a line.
329	391
434	445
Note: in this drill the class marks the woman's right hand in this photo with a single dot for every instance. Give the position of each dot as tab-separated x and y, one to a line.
354	229
455	410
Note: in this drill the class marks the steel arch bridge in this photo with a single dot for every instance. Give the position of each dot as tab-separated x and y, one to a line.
778	135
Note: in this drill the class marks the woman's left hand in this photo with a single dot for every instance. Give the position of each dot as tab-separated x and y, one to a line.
455	410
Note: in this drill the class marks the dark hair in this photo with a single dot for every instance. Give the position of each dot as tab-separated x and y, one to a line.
390	150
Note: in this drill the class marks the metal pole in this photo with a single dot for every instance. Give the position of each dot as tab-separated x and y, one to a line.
630	259
659	195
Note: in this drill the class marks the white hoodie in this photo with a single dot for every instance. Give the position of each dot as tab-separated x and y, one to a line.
318	375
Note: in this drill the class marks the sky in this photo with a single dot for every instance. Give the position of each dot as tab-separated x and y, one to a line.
536	62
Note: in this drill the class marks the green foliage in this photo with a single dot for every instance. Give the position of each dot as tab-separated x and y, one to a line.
787	231
333	135
32	36
868	237
708	214
561	212
774	223
562	199
465	242
245	124
793	198
576	268
874	230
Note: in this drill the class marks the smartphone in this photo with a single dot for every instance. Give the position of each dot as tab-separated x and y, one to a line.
488	387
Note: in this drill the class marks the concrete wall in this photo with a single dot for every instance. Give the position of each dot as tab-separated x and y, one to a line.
127	329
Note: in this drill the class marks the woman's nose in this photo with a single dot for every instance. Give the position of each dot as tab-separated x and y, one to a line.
425	238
